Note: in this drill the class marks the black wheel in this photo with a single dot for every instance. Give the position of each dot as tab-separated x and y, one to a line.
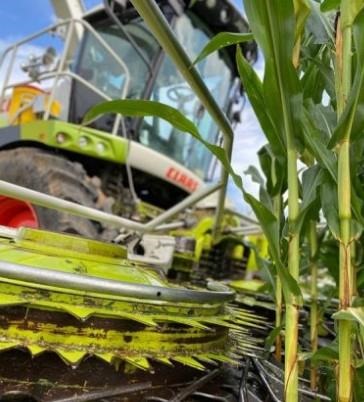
52	174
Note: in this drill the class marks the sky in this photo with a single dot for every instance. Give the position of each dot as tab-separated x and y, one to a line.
20	18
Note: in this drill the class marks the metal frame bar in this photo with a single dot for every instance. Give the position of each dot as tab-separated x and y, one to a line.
160	28
190	200
48	201
8	71
255	229
60	68
87	283
245	230
48	76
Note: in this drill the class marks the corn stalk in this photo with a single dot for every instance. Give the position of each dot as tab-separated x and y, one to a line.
276	39
292	304
314	316
343	86
277	208
313	250
278	322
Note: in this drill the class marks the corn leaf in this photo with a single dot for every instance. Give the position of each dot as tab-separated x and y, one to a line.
352	120
266	268
270	226
329	5
302	10
268	162
317	123
272	336
329	205
316	141
312	84
326	74
350	12
254	89
142	108
222	40
328	353
281	86
256	177
320	26
312	179
351	314
278	19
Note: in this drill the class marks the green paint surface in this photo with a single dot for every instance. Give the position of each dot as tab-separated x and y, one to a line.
76	324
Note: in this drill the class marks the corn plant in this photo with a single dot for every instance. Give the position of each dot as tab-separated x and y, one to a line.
348	102
271	190
348	43
277	40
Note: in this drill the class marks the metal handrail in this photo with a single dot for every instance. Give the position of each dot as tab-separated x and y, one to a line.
50	75
62	67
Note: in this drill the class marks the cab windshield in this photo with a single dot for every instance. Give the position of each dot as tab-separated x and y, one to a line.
104	72
100	69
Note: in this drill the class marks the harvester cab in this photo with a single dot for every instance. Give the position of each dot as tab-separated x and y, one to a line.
110	54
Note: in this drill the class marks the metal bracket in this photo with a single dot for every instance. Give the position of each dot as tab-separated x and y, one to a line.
153	250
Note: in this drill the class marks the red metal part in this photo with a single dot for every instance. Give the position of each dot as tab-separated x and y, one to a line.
16	213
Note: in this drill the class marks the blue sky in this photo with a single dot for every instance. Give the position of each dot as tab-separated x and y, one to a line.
20	18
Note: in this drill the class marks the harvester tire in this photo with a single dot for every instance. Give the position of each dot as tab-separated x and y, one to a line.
55	175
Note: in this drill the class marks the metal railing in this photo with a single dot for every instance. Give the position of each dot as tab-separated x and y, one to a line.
62	67
62	70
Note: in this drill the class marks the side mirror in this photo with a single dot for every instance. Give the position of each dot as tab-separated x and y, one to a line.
237	102
236	116
49	56
34	67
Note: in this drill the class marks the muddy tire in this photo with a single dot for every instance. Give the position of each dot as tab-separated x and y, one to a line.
52	174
